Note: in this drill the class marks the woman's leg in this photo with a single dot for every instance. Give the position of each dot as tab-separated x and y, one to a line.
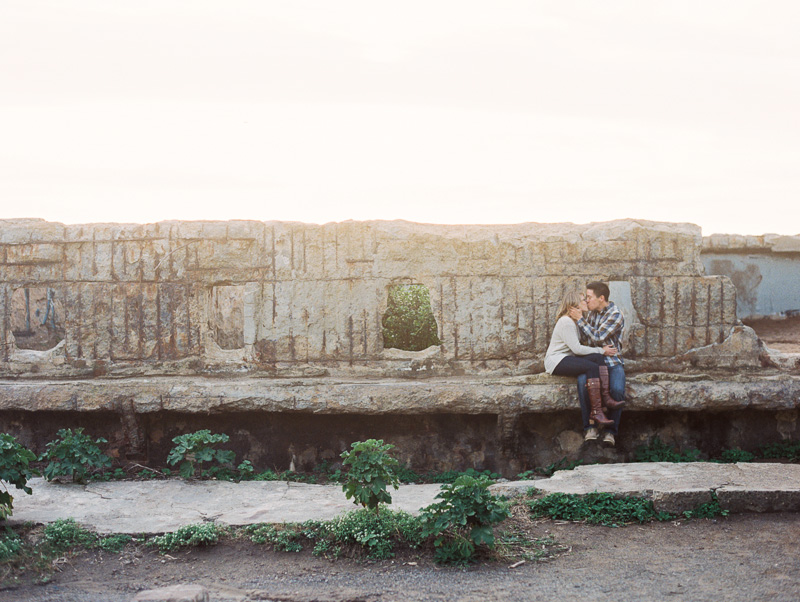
574	365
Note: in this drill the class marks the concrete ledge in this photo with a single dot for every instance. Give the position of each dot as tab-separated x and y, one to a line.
511	395
679	486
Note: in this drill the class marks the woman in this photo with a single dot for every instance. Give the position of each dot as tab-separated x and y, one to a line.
567	357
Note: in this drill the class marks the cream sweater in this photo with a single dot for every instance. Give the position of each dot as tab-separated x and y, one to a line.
565	342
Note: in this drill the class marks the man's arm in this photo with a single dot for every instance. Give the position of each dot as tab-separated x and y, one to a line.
611	326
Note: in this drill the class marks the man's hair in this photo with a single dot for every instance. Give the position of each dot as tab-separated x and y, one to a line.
600	289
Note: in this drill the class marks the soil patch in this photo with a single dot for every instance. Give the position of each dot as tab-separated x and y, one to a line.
742	557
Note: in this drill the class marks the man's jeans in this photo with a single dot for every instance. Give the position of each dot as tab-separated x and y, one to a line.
616	386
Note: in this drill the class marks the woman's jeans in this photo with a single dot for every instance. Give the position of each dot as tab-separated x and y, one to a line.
616	380
575	365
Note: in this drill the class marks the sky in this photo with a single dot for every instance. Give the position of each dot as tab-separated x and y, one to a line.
434	111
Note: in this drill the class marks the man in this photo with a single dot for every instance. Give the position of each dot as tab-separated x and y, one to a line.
602	326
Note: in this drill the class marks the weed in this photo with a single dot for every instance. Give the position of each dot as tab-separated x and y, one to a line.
737	455
114	543
462	519
371	471
710	509
284	539
451	476
15	469
375	534
64	534
658	451
74	455
193	450
203	534
596	508
10	544
515	544
785	449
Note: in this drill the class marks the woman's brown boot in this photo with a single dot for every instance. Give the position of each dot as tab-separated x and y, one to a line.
608	401
596	402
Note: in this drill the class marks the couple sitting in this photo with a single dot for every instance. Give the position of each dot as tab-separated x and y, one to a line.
590	348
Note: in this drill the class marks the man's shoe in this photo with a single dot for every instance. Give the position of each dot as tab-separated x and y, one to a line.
591	434
608	439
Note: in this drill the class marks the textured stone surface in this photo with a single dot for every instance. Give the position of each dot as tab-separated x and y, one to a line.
189	297
161	506
676	487
540	393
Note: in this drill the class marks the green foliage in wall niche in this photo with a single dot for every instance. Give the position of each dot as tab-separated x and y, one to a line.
408	323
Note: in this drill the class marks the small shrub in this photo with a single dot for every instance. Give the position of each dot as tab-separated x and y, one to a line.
463	519
74	455
204	534
451	476
737	455
370	471
408	322
194	450
10	545
64	534
15	469
374	534
658	451
710	509
284	539
114	543
596	508
789	450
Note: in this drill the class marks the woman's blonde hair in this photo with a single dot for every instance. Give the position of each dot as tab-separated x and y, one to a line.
571	299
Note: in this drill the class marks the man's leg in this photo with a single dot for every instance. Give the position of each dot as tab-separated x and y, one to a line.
583	399
616	387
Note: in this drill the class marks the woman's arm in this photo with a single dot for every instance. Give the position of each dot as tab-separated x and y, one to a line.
569	334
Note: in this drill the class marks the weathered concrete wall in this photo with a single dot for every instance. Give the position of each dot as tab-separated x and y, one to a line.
764	269
189	297
262	327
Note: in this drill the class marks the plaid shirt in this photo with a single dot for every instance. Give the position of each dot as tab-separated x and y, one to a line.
601	328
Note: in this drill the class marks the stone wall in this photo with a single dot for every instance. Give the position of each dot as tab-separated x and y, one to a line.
272	332
300	299
764	269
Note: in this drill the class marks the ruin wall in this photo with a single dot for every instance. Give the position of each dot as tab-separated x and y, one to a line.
293	299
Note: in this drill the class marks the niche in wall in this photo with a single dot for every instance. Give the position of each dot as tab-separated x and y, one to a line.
226	316
408	323
37	317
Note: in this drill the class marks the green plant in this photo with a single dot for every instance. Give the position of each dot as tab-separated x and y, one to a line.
284	539
408	322
66	533
114	543
596	508
10	544
463	519
193	450
785	449
373	534
737	455
203	534
15	469
658	451
710	509
451	476
75	455
370	471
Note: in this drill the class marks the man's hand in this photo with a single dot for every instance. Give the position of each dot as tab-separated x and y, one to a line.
575	313
609	350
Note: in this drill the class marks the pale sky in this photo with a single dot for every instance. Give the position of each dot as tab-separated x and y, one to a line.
432	111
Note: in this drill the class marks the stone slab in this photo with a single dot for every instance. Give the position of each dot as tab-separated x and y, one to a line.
173	593
161	506
508	395
680	486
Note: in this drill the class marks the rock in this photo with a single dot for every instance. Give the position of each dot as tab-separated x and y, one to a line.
173	593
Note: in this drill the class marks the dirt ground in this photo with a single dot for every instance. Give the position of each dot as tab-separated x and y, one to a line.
781	335
742	557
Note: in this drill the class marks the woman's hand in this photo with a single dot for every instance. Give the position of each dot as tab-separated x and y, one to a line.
575	313
609	350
